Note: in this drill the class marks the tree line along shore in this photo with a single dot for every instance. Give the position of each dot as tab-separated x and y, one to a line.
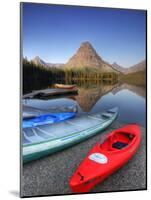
38	76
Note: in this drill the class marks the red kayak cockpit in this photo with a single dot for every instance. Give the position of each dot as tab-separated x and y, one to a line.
118	140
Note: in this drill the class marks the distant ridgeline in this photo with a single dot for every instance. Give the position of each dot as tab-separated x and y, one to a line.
134	75
85	66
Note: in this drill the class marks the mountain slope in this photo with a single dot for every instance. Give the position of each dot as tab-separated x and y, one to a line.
141	66
86	56
57	65
118	67
39	62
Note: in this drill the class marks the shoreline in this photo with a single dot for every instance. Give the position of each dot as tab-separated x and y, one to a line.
51	175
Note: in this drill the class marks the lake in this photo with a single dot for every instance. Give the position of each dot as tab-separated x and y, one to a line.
130	99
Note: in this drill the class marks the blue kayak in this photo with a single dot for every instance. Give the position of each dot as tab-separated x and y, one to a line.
29	112
47	119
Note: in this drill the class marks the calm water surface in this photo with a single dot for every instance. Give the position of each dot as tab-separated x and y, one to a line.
130	99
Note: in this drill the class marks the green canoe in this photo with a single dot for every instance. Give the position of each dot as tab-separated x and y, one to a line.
47	139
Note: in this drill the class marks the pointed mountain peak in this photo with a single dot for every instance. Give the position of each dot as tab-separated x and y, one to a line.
115	64
86	44
38	61
87	47
86	56
37	58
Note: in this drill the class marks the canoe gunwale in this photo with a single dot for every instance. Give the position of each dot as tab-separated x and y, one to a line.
43	148
60	138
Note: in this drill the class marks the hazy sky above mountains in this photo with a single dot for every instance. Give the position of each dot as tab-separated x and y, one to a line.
55	33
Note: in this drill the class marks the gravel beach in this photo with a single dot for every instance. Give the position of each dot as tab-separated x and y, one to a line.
51	175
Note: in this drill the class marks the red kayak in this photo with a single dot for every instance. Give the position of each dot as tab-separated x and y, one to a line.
106	157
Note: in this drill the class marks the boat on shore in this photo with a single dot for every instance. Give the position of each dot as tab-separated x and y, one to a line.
43	140
63	86
29	112
45	119
49	93
106	157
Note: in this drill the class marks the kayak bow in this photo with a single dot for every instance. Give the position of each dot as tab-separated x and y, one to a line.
106	158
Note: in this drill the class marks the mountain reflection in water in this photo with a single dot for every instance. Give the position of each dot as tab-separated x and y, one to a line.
131	100
87	98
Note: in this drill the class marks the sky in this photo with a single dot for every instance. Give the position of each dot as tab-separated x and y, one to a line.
54	33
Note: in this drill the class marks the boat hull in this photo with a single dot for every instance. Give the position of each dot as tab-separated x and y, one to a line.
29	112
61	86
100	164
41	149
49	93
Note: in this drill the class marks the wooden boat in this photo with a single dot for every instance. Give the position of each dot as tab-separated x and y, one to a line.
106	157
47	139
63	86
